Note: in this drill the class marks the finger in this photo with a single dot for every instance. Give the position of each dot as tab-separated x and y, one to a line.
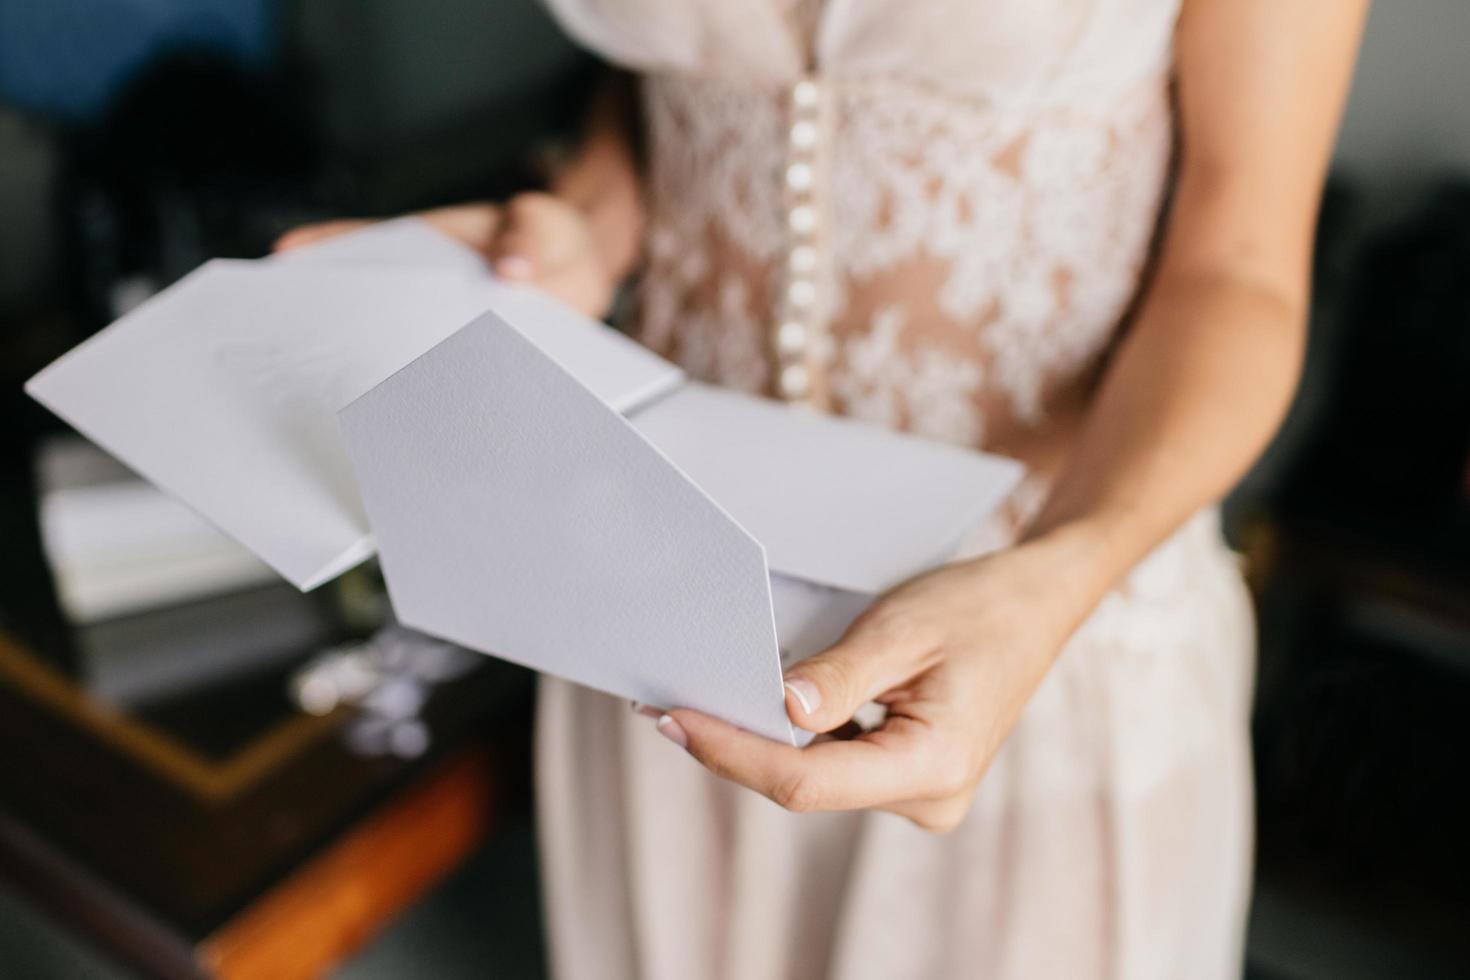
469	224
526	246
517	251
824	691
319	232
872	770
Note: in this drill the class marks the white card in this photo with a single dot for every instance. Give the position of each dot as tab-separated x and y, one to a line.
224	388
516	514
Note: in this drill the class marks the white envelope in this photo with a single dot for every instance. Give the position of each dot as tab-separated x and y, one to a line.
518	513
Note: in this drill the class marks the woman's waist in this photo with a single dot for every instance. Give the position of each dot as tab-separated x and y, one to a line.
1011	378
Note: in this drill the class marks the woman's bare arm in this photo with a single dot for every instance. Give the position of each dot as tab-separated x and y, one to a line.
1207	371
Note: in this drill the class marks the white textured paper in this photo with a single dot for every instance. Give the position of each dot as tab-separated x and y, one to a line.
836	502
224	388
518	515
223	391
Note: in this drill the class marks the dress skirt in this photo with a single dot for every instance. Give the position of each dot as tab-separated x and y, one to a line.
1111	838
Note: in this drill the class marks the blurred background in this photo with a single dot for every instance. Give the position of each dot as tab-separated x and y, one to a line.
203	772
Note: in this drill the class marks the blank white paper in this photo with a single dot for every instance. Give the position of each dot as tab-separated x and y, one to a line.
223	389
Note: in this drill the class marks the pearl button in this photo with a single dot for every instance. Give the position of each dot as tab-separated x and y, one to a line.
800	293
803	259
791	337
799	176
793	382
804	94
804	135
803	219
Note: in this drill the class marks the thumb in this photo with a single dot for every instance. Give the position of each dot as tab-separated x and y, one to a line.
824	691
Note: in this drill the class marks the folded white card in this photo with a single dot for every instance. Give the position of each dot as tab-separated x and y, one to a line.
517	513
224	388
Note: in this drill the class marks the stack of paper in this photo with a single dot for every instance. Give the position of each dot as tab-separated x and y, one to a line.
539	486
116	544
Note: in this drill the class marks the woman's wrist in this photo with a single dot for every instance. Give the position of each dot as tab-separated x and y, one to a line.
1068	568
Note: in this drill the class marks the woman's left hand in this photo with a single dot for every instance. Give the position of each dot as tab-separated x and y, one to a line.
953	654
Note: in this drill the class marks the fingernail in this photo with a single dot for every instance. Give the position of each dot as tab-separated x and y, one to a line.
672	731
514	267
646	711
806	692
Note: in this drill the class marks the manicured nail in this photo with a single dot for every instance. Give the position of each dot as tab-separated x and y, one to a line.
672	731
514	267
806	692
645	710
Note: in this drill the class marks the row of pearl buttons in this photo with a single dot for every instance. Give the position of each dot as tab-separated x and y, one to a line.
799	302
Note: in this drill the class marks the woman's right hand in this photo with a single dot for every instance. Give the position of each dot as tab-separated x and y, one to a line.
534	238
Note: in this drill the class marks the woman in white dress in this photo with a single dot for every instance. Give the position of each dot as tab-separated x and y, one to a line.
937	216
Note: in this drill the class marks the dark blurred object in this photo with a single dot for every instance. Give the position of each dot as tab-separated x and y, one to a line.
1361	559
66	59
186	160
1390	457
431	102
186	131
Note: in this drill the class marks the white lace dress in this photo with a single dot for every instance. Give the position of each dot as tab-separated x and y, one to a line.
932	215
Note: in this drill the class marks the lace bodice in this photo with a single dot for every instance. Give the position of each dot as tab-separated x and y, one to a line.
929	215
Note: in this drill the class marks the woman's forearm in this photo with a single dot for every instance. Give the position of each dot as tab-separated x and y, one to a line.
602	178
1204	376
1192	397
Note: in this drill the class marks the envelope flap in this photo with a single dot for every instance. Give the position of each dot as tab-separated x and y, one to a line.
835	502
517	514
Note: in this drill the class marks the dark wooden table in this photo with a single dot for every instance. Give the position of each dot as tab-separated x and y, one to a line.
220	831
